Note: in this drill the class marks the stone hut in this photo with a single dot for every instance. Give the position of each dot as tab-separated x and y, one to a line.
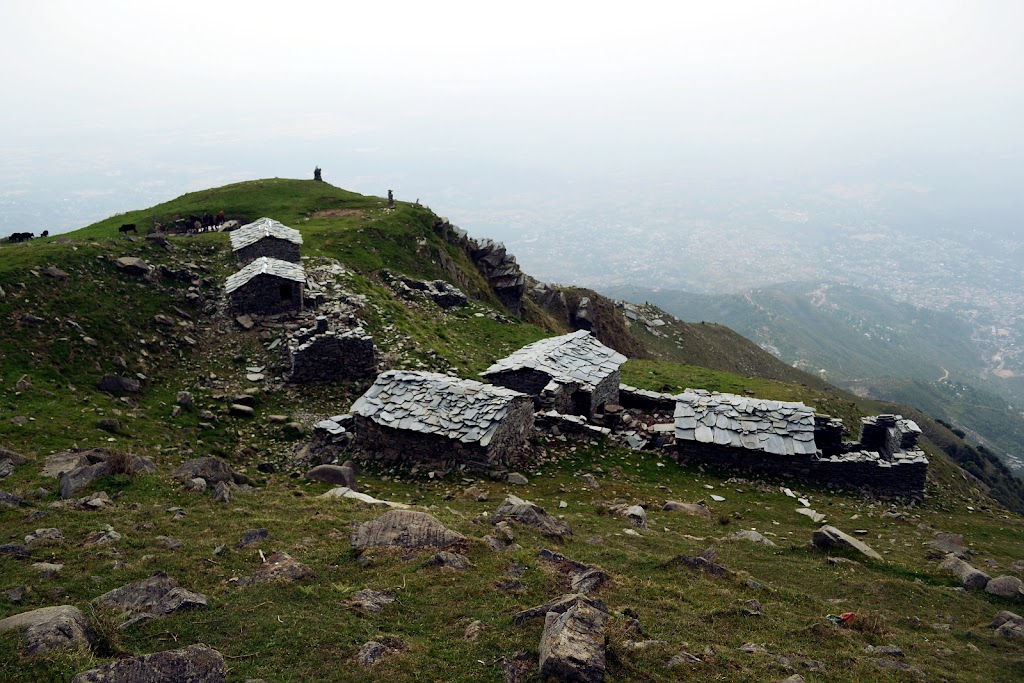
782	438
573	374
266	237
429	417
267	286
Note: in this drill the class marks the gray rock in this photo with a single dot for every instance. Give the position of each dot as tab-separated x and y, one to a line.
97	538
55	272
370	653
1006	587
404	529
24	384
12	457
109	424
474	630
169	542
887	650
252	536
221	492
9	500
197	485
558	606
750	535
47	569
950	543
588	580
16	595
41	535
51	628
116	384
339	475
572	645
157	596
132	265
371	601
63	462
448	560
968	575
828	537
278	567
238	410
636	515
15	550
193	664
1008	625
517	479
213	470
184	399
525	512
589	480
245	322
76	480
689	508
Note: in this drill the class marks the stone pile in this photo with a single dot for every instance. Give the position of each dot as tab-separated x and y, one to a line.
440	292
325	355
425	415
775	427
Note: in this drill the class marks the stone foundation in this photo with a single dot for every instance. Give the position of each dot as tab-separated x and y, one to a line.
324	355
283	250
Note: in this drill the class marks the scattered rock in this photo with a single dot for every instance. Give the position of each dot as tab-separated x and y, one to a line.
109	424
23	384
339	475
1006	624
63	462
473	630
12	457
15	550
404	529
447	560
950	543
572	645
213	470
588	580
9	500
828	537
750	535
752	608
816	517
346	492
753	649
132	265
47	569
689	508
839	561
184	399
525	512
245	322
636	515
1006	587
157	596
51	628
197	485
16	595
371	601
193	664
221	492
44	535
55	272
968	575
239	410
590	481
95	538
371	653
517	479
169	542
706	562
683	659
278	567
252	536
116	384
558	606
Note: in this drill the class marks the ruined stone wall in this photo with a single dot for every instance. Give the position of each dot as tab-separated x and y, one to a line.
262	295
605	392
557	397
645	401
330	356
271	247
392	446
530	382
861	470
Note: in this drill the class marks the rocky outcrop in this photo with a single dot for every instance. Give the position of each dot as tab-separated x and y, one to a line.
157	596
500	270
116	384
212	470
50	628
193	664
404	529
525	512
572	645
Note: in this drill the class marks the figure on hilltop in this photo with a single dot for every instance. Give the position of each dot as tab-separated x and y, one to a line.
391	199
316	174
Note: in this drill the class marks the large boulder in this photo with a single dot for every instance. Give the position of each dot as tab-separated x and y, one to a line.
404	529
340	475
156	596
525	512
132	265
950	543
694	509
1008	625
193	664
572	645
102	464
968	575
51	628
828	537
1009	587
116	384
278	567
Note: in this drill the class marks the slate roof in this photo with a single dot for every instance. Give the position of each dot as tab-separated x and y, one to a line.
777	427
252	233
578	357
266	266
431	403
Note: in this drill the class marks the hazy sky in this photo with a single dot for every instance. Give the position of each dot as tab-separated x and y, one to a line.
119	105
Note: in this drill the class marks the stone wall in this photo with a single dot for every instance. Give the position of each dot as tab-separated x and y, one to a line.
526	380
645	401
607	391
272	247
904	477
508	446
324	355
263	295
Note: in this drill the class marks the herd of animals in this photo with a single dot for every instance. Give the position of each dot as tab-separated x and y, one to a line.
193	224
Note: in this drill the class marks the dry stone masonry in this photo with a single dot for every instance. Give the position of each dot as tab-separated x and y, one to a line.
427	416
440	292
573	373
321	354
266	237
787	438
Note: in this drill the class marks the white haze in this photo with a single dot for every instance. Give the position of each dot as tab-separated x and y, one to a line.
487	112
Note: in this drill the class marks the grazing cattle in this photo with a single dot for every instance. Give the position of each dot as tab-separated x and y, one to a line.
128	227
220	218
21	237
46	233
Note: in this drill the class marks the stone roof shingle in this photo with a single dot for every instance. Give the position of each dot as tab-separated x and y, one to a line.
776	427
266	266
577	357
264	227
431	403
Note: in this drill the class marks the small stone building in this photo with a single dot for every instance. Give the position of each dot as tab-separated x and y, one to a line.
321	354
573	373
267	286
788	439
434	418
266	237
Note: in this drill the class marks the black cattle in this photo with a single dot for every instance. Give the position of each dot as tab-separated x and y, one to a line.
46	233
128	227
21	237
